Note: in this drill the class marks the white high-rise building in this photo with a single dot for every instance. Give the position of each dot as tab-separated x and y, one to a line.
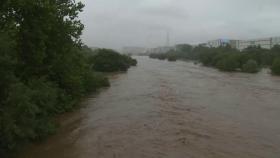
222	42
266	43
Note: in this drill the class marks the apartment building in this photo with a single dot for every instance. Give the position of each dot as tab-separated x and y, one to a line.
222	42
266	43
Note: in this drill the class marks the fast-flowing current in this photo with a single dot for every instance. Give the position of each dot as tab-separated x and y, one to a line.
163	109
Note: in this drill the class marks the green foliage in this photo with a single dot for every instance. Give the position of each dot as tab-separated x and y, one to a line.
171	58
159	56
225	58
108	60
44	68
275	68
228	63
132	62
184	48
95	80
251	66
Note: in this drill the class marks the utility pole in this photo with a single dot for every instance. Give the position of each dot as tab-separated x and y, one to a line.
167	38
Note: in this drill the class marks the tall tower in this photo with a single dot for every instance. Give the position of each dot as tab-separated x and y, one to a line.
167	38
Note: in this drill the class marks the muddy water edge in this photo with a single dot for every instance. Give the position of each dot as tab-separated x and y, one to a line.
172	110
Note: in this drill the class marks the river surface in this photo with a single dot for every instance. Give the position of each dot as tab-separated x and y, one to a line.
163	109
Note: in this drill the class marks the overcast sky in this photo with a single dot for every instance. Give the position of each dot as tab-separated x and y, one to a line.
145	23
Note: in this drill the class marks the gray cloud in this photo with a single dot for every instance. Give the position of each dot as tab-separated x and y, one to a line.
118	23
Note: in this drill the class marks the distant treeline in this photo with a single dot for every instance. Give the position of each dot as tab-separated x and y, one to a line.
44	68
249	60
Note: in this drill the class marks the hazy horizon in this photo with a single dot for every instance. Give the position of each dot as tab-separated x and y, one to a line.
119	23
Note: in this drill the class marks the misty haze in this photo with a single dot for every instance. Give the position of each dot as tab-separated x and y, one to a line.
119	23
139	79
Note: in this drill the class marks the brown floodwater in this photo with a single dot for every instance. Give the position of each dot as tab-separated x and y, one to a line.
163	109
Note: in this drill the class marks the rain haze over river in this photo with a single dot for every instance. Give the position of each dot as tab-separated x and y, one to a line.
163	109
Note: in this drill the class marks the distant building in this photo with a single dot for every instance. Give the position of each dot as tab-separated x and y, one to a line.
222	42
266	43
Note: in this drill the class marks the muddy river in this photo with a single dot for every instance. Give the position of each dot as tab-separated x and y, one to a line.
163	109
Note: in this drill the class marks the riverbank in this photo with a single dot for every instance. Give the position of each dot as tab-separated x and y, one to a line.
30	109
249	60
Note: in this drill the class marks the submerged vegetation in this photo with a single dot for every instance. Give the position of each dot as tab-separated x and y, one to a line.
44	67
250	60
251	66
107	60
275	68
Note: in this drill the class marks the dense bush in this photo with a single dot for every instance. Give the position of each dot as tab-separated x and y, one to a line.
228	63
225	58
251	66
159	56
44	68
107	60
133	62
172	58
275	68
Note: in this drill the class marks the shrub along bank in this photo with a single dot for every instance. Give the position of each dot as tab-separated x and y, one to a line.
250	60
107	60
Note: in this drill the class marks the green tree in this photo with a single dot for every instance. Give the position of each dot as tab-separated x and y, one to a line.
107	60
43	67
184	48
251	66
228	64
171	58
275	68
